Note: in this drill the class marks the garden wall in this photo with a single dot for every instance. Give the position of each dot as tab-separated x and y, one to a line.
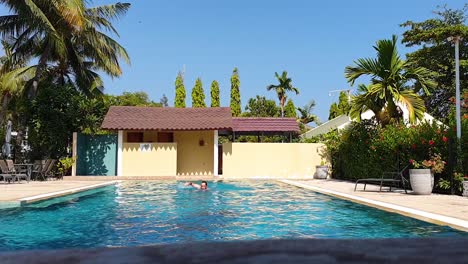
270	160
96	155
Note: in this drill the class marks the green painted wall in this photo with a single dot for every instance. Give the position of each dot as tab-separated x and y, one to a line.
96	155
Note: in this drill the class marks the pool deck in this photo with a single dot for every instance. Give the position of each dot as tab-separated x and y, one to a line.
17	194
451	210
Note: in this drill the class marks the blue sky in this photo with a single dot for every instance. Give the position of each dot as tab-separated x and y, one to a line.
313	40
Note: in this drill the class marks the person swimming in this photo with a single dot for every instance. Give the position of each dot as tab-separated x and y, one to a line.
202	186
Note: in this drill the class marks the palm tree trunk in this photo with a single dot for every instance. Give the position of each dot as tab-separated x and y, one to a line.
40	68
282	100
5	101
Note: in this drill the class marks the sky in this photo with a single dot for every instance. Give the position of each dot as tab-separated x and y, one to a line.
313	40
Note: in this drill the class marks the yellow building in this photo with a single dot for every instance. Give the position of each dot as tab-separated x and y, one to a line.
165	141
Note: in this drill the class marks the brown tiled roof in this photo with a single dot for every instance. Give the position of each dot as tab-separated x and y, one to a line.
167	118
264	124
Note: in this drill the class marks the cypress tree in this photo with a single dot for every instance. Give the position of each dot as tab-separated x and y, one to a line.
198	95
290	109
235	93
215	94
180	94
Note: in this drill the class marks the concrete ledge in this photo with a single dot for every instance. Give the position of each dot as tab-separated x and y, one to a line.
46	196
445	250
406	211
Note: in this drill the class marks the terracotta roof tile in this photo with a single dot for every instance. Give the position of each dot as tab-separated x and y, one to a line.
167	118
264	124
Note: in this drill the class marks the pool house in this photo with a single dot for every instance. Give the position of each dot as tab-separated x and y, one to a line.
166	141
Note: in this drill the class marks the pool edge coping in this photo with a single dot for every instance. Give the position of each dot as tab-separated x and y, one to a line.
50	195
433	218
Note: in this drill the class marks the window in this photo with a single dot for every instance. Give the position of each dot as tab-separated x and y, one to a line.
134	137
165	137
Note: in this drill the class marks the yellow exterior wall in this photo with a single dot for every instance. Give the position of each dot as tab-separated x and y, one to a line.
270	160
161	160
193	159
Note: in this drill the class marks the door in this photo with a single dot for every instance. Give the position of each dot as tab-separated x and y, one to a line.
220	159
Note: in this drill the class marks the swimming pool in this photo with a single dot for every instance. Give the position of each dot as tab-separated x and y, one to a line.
141	213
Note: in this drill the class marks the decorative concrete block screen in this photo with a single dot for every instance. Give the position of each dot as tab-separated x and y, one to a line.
271	160
96	155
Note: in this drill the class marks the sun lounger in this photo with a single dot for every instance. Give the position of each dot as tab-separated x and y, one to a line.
6	174
392	178
17	174
49	169
37	168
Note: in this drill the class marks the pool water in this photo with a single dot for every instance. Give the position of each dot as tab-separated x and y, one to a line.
141	213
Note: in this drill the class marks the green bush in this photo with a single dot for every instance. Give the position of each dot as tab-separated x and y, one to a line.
365	150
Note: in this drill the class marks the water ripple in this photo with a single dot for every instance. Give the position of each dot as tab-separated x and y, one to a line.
141	213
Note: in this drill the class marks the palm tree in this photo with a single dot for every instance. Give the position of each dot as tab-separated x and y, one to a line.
12	77
284	86
66	40
393	82
306	115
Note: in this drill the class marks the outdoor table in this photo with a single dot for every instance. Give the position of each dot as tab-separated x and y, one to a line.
28	166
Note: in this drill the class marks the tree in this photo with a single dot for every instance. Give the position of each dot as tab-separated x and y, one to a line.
235	93
131	99
180	94
333	111
391	83
305	113
261	107
342	108
436	53
284	86
290	109
55	115
66	40
198	95
164	101
214	94
11	85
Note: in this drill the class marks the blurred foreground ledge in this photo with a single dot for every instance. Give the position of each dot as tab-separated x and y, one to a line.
427	250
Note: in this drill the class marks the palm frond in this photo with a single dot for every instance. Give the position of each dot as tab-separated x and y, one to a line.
365	66
109	11
72	11
413	103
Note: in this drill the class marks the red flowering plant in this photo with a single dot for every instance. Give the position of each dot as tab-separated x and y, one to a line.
427	147
434	163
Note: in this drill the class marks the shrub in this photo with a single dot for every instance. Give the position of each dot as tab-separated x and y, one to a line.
364	150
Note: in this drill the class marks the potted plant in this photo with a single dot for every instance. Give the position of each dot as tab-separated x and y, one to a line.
321	172
422	174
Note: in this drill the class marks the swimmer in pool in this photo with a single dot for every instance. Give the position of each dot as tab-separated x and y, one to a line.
202	186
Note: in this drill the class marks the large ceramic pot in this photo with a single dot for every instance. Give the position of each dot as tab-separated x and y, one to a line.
321	172
422	181
465	188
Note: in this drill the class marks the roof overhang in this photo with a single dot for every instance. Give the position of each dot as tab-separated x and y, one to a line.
167	118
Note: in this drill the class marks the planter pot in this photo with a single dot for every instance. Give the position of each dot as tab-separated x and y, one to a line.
321	172
422	181
465	188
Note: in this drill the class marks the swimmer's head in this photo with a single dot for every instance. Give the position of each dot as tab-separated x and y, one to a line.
204	185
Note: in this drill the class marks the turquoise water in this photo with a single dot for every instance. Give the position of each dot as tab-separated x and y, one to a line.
141	213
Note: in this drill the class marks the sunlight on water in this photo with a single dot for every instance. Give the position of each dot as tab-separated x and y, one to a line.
141	213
